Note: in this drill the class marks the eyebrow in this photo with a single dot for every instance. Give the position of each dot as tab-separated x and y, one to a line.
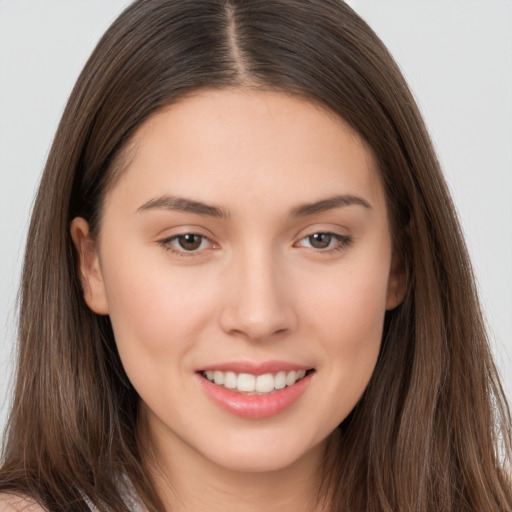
191	206
182	204
329	204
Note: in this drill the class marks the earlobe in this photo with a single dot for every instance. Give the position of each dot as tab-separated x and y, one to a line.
89	270
397	283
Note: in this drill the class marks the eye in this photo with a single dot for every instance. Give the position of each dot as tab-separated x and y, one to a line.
186	243
190	242
325	241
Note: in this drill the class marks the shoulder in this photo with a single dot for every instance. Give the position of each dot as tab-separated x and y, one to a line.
12	503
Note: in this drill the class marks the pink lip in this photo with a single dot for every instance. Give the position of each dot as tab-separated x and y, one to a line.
254	368
255	406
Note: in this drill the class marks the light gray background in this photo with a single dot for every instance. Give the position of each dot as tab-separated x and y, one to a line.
456	54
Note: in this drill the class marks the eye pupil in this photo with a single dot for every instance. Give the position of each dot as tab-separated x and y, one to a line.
320	240
189	242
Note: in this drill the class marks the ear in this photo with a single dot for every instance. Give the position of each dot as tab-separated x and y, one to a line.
89	268
397	282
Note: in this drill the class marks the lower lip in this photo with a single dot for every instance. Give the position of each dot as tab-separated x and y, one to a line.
255	406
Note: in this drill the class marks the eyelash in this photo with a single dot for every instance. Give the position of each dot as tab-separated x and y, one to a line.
166	243
341	242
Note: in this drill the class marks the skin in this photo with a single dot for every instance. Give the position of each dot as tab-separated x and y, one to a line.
257	288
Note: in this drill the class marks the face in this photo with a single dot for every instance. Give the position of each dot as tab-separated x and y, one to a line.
245	260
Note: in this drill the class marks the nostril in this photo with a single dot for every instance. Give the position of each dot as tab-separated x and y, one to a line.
239	322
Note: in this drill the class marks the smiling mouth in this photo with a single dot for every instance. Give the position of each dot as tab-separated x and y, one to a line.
249	384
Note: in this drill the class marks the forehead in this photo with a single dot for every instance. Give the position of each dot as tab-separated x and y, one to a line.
236	143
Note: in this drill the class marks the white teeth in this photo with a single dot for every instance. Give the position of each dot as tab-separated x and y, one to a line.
290	378
280	380
248	383
265	383
229	380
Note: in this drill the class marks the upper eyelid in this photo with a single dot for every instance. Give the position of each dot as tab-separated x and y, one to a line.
184	229
328	229
176	236
166	244
184	233
337	236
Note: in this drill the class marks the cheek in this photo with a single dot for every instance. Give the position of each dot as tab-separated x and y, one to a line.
355	332
157	314
350	302
348	322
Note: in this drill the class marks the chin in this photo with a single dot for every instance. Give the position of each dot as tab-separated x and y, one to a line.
263	456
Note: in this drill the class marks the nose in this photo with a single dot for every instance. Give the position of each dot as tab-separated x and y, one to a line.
259	303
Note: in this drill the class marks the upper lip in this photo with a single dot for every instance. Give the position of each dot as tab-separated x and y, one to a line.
254	368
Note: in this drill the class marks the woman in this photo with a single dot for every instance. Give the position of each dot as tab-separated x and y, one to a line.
240	288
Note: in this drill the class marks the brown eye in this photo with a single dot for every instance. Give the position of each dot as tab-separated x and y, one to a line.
189	242
320	240
325	242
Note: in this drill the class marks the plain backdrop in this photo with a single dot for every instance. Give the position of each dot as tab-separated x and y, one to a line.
456	55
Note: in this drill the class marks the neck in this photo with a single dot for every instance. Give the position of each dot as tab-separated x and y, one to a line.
188	482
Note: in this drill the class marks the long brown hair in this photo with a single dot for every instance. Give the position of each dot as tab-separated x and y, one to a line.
432	430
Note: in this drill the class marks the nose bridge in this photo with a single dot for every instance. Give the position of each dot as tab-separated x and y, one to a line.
260	304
